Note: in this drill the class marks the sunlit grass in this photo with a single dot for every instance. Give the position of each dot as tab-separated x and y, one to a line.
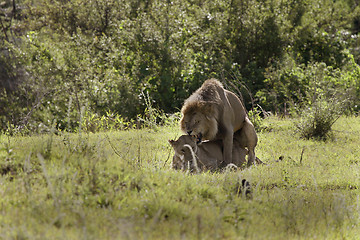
119	185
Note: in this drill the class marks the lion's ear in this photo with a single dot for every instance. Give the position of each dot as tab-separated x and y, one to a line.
174	143
208	109
211	112
202	105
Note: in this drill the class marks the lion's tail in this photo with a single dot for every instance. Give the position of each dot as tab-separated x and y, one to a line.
193	157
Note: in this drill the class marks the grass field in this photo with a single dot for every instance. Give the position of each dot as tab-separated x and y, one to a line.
119	185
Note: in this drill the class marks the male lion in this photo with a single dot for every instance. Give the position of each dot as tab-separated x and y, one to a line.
213	112
205	156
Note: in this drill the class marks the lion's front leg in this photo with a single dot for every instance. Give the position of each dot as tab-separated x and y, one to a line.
228	145
251	157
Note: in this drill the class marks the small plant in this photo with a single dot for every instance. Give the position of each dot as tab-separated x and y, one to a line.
256	119
317	120
110	121
153	117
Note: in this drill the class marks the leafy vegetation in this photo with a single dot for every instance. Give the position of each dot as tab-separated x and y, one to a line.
118	184
317	121
76	72
90	92
60	58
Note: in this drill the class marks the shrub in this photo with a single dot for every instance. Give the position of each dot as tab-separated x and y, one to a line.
256	119
58	56
317	120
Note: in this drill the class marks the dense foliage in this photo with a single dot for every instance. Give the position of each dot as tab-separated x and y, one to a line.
63	60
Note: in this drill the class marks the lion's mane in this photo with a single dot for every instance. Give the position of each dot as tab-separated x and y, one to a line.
205	100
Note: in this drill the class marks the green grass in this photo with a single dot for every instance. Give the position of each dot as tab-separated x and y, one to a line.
119	185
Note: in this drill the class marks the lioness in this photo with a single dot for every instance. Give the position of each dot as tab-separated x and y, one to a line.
204	156
212	113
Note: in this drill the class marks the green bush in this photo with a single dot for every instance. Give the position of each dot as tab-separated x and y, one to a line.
317	120
256	119
101	55
296	86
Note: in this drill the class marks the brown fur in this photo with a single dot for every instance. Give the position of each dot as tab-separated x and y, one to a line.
214	113
208	155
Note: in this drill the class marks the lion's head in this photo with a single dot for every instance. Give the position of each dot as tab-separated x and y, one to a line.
182	151
198	119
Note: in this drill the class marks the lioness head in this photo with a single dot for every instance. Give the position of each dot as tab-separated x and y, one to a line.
182	152
199	122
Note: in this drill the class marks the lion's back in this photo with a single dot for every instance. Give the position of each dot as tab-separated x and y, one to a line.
208	92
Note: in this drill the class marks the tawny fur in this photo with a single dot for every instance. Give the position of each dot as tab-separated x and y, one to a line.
205	156
214	113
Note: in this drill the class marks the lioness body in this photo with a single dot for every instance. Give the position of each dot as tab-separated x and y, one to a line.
208	155
212	113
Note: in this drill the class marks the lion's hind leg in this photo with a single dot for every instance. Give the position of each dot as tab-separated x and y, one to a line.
250	140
